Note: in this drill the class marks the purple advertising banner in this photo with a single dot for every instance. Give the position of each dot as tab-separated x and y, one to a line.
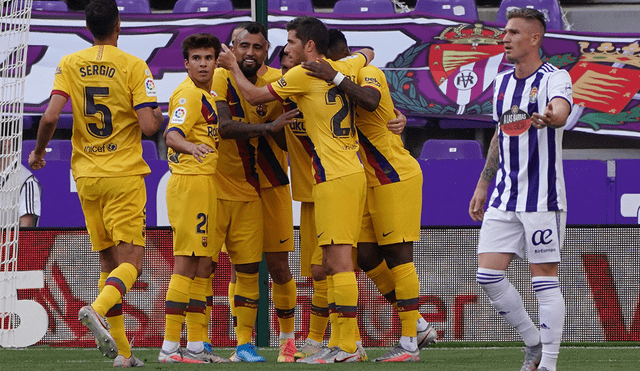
435	67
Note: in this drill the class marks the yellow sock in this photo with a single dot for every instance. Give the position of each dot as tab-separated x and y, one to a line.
383	279
284	300
116	322
118	283
176	304
207	311
407	292
319	316
196	318
231	293
346	298
246	302
334	339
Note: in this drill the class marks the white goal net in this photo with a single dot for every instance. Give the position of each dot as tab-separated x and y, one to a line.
14	32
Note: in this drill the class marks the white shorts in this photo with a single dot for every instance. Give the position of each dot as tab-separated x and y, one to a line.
536	235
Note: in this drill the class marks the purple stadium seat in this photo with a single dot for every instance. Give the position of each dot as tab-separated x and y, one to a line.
133	6
453	9
57	149
301	6
51	6
202	6
364	6
441	149
550	8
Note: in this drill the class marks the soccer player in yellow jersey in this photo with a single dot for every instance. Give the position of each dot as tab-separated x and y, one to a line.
250	47
340	185
392	213
113	99
192	138
241	225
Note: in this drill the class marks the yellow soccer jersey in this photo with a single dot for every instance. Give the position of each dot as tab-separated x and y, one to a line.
106	86
272	160
329	117
237	176
298	146
383	154
193	115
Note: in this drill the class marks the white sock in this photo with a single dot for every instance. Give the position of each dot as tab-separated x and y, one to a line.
287	335
422	323
195	346
508	302
409	343
551	311
170	346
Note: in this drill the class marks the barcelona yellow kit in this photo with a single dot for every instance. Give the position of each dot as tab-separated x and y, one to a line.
394	178
333	144
191	190
237	175
106	86
102	83
383	154
299	148
334	141
193	115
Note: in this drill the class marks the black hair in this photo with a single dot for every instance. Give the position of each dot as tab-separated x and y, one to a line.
200	40
311	28
102	18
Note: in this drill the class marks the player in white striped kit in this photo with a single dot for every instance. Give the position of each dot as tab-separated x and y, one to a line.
527	210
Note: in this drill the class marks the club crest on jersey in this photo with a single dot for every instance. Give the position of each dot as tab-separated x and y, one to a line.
204	241
515	121
261	109
534	95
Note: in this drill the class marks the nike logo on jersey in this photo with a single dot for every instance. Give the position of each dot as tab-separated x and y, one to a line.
320	234
386	234
283	241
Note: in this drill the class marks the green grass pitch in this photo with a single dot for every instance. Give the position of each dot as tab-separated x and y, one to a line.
441	357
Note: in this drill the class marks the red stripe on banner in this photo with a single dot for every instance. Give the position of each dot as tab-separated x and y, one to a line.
605	296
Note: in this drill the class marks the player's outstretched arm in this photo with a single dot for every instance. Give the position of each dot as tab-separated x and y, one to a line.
150	120
555	114
367	98
476	206
253	94
46	129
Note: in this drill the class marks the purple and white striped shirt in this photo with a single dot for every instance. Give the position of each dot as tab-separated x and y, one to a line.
530	176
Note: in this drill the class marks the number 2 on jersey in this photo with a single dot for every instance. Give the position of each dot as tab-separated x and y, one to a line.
345	111
105	128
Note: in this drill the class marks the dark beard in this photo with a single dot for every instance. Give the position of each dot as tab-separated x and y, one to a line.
250	72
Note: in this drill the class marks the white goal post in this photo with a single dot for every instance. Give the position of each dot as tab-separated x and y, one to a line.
15	17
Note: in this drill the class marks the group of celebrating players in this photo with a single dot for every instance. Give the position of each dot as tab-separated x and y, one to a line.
232	122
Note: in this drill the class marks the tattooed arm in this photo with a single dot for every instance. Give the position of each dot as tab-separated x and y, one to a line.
230	129
476	206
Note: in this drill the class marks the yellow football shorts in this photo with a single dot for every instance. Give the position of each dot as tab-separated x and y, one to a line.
114	210
278	219
191	205
240	226
392	212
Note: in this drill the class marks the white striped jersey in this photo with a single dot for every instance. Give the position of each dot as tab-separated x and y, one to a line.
30	190
530	176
